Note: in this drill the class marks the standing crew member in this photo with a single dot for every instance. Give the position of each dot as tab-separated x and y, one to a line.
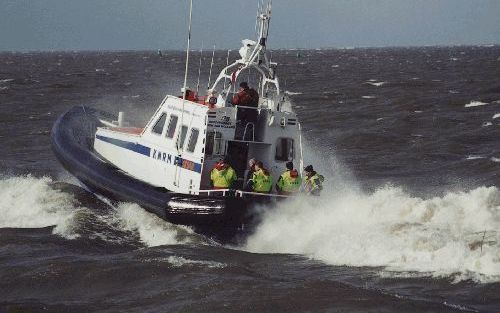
223	175
314	182
262	180
246	96
289	182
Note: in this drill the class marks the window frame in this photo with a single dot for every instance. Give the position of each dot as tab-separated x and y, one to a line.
163	114
189	142
289	156
172	116
214	142
181	141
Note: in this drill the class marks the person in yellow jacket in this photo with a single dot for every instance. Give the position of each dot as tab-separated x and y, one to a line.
223	175
289	182
313	183
261	181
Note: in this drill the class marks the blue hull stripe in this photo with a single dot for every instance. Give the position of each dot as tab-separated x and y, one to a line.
135	147
127	145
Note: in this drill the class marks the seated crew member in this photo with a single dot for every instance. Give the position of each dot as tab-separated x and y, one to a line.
261	181
249	176
190	95
289	182
222	175
313	183
246	96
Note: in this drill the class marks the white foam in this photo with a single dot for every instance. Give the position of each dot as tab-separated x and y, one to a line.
152	230
494	159
29	202
475	157
368	97
291	93
99	70
486	124
495	116
441	236
178	261
475	104
4	88
2	81
377	84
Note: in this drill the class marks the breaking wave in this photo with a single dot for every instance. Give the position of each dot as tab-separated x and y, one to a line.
30	202
454	235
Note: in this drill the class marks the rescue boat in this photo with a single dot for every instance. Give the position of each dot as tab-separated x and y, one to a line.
165	165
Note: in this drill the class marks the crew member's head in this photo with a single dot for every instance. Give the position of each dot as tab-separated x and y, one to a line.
289	165
258	165
309	170
244	86
251	162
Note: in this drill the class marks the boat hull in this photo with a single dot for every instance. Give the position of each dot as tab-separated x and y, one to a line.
72	142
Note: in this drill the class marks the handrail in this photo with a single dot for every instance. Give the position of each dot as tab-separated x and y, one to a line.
241	193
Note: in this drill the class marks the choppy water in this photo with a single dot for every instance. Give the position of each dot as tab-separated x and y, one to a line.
408	222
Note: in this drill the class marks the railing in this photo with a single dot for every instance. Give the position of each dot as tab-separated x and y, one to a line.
239	193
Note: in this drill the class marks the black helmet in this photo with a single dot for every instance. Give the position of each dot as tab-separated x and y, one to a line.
289	165
309	168
244	85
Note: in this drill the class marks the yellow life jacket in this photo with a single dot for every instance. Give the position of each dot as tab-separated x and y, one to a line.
289	182
223	178
314	184
262	182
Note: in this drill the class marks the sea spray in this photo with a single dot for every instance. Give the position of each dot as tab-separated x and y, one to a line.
392	229
153	231
30	202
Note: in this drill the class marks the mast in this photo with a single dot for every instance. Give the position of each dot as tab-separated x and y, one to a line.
184	88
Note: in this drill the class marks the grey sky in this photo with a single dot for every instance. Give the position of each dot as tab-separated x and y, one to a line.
154	24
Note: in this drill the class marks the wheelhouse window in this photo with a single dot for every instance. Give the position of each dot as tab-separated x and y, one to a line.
182	137
214	143
158	127
284	149
193	139
172	124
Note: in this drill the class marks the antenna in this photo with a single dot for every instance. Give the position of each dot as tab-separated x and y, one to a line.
199	70
211	66
227	64
185	82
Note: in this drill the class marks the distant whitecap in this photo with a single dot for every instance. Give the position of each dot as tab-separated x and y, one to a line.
496	160
475	104
2	81
474	157
496	116
377	84
368	97
486	124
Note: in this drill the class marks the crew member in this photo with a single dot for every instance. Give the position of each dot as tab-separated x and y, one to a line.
262	180
246	96
223	175
289	182
190	95
314	182
249	176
